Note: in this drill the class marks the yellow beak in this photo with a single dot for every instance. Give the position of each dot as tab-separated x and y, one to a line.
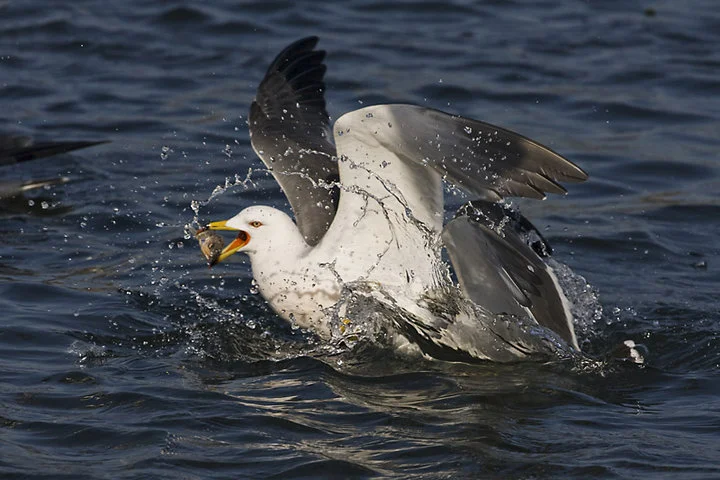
219	226
240	241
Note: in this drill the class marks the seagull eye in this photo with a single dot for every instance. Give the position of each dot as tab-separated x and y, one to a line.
255	224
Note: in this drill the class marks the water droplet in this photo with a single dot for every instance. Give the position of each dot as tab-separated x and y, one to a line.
293	324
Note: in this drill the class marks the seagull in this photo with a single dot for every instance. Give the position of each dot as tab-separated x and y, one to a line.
20	148
367	197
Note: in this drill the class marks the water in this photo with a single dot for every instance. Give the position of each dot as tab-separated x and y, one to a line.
123	356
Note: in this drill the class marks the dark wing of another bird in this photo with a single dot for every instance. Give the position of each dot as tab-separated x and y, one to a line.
17	148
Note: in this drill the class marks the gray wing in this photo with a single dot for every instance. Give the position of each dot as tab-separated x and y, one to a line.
495	265
489	161
498	257
289	130
16	149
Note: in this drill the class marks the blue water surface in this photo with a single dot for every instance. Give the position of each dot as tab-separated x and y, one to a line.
122	356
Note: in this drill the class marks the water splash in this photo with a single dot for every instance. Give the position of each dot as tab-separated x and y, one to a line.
584	301
231	183
444	322
444	326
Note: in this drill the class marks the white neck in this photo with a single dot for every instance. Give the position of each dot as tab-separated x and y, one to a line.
289	280
285	246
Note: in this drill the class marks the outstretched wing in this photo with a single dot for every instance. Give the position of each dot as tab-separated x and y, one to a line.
496	266
290	132
489	161
498	257
15	149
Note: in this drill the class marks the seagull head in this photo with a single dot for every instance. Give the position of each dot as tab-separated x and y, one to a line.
259	228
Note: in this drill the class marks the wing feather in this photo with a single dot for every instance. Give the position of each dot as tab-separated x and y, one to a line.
290	132
498	257
489	161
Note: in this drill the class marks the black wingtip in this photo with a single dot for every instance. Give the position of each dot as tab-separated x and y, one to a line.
503	218
293	88
292	51
580	175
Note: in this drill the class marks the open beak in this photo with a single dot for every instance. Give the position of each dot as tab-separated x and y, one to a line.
240	241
